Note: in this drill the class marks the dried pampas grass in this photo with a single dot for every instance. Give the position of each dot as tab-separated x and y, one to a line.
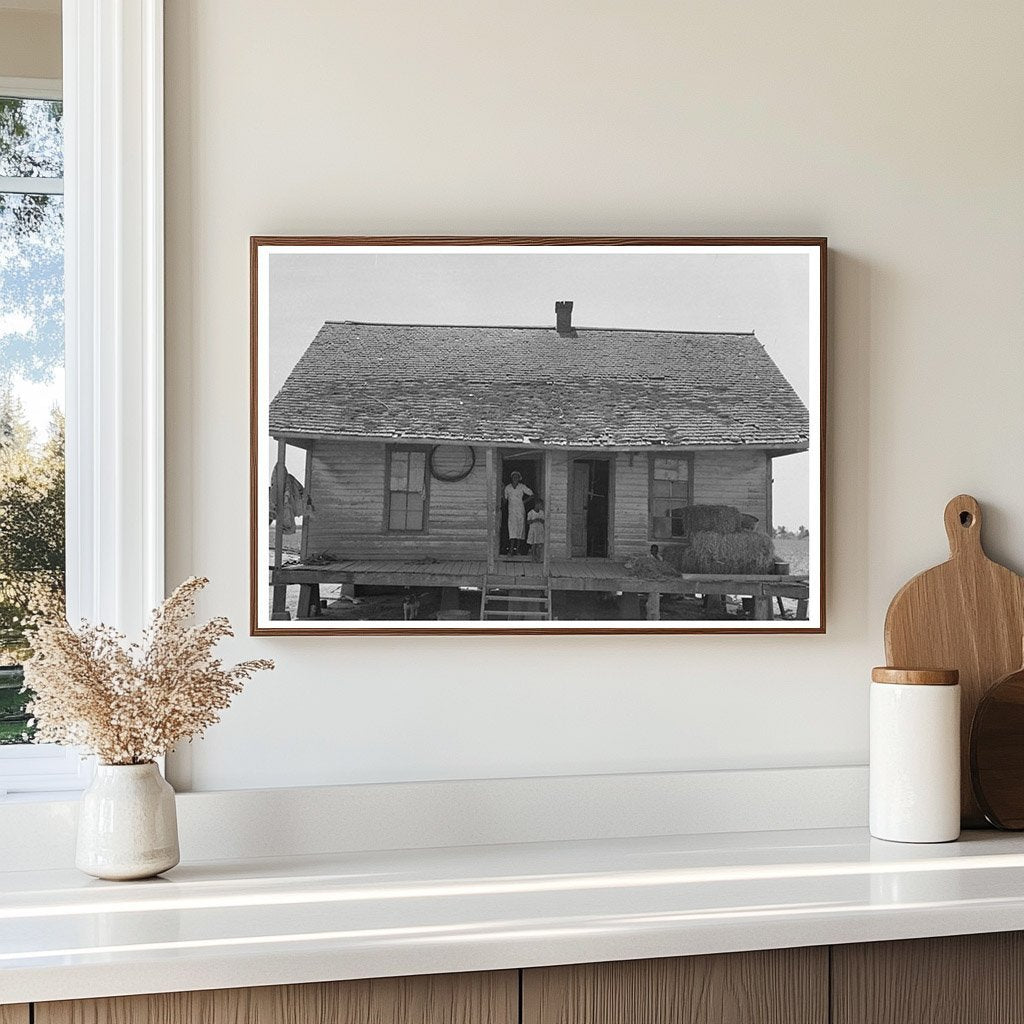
129	703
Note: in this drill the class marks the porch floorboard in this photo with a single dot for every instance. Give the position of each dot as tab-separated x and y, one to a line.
598	574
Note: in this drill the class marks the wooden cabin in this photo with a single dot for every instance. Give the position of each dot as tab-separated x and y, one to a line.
413	430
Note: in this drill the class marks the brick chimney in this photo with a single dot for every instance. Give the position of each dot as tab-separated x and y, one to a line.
563	319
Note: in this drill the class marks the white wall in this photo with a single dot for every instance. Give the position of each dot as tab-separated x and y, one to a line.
895	129
30	42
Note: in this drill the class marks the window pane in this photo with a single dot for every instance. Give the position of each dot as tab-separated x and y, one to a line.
414	517
662	528
31	138
31	413
399	470
417	470
396	517
13	720
671	468
663	488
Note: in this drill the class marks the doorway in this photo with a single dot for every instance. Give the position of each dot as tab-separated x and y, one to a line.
589	507
530	466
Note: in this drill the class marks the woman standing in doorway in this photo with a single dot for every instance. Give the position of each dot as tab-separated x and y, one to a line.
515	495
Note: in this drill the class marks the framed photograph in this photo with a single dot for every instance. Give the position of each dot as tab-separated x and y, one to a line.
537	435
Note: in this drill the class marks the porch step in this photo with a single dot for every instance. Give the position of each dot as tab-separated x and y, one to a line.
540	616
511	604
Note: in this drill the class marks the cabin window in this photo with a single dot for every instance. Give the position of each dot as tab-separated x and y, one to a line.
671	490
407	489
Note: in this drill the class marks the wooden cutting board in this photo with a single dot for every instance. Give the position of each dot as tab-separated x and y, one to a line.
967	614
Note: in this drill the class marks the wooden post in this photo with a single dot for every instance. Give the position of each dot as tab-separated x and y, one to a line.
548	460
307	498
309	601
279	609
654	606
492	494
763	608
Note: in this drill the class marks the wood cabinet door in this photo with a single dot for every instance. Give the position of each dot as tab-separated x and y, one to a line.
483	998
960	979
779	986
14	1014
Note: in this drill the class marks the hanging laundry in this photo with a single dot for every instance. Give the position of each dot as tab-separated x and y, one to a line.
295	502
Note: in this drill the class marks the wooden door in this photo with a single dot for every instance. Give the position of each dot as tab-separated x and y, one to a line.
14	1014
482	998
778	986
530	468
579	489
590	508
960	979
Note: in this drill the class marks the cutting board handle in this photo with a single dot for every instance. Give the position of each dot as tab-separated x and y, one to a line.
963	527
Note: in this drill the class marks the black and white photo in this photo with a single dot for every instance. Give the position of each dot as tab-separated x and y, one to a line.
526	435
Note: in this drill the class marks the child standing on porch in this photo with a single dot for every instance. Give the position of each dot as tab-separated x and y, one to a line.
535	538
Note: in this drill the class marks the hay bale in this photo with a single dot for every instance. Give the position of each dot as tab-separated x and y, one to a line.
712	519
709	552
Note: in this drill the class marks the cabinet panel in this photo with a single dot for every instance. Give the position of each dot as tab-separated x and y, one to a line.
779	986
484	998
14	1014
962	979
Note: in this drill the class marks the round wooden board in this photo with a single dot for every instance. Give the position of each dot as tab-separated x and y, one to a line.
997	753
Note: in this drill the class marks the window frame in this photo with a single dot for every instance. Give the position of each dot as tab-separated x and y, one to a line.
112	90
682	456
390	450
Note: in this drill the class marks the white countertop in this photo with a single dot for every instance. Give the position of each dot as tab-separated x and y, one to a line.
351	915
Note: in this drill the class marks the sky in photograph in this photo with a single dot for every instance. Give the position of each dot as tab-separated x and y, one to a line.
673	290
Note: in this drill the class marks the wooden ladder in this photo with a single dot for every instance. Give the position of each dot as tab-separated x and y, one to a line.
523	602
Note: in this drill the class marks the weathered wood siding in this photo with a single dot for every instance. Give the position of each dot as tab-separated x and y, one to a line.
738	478
347	482
631	514
347	485
557	519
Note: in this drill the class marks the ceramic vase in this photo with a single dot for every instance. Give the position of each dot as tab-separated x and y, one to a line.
127	825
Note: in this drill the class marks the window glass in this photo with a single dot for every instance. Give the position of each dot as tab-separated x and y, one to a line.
670	494
31	138
31	387
407	490
417	470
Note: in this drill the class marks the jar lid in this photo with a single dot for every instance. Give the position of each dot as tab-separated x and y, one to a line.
916	676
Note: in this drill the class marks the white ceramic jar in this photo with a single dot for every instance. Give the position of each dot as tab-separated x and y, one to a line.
127	823
915	755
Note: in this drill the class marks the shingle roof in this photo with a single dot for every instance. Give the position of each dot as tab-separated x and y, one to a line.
531	385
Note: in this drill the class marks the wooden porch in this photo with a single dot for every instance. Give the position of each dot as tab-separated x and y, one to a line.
573	574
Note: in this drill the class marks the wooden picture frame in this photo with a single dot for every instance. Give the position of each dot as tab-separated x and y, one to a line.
345	388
